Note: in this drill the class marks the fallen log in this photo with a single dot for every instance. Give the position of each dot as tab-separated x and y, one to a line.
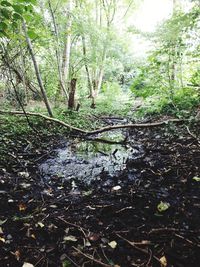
62	123
97	131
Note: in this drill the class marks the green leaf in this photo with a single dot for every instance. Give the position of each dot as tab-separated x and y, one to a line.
17	16
32	34
3	26
163	206
6	13
66	263
28	17
18	8
6	3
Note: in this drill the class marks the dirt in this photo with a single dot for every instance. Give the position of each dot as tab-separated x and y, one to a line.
138	207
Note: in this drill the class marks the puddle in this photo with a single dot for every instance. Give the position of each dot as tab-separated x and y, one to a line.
87	160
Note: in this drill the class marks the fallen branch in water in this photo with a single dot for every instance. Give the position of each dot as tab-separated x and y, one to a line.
93	132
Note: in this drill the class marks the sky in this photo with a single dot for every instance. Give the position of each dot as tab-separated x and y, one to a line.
151	12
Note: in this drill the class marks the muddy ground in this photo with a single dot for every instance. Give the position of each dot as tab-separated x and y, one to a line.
138	207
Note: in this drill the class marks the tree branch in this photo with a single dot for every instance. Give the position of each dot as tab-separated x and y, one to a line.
97	131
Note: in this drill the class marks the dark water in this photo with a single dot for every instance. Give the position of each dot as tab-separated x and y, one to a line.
87	160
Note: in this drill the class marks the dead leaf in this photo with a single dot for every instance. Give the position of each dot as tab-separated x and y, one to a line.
2	222
23	174
25	185
17	254
116	188
163	261
113	244
197	179
87	193
70	238
1	230
26	264
22	207
41	224
53	206
33	236
2	239
93	237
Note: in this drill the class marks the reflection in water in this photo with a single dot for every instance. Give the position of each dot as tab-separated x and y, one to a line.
86	160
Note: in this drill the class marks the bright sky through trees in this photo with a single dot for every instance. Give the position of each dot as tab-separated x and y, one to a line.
151	12
148	16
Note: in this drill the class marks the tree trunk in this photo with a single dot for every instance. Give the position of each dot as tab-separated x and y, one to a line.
90	85
71	101
67	48
37	72
61	85
23	76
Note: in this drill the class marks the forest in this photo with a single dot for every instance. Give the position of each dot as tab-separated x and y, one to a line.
99	133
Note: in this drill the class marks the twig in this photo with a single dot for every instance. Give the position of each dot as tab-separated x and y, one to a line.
187	240
99	140
194	136
158	230
134	244
72	261
92	258
143	243
74	225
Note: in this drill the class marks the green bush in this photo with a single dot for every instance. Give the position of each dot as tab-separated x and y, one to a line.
184	101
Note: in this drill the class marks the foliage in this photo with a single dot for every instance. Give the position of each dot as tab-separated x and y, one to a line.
184	104
167	79
13	11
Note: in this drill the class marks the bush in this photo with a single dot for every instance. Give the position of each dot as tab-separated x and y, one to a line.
184	101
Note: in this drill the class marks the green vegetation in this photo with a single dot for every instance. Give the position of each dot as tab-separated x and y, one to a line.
74	61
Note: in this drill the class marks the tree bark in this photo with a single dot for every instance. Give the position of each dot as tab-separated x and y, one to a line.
67	48
37	72
91	86
72	92
61	85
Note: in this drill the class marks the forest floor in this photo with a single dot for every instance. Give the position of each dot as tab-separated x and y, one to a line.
144	211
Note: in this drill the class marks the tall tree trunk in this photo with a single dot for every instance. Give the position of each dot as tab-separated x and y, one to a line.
101	71
23	76
67	48
61	85
71	101
37	72
90	84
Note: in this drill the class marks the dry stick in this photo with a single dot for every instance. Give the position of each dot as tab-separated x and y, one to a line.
193	135
133	244
92	258
101	130
72	261
187	240
75	225
160	230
